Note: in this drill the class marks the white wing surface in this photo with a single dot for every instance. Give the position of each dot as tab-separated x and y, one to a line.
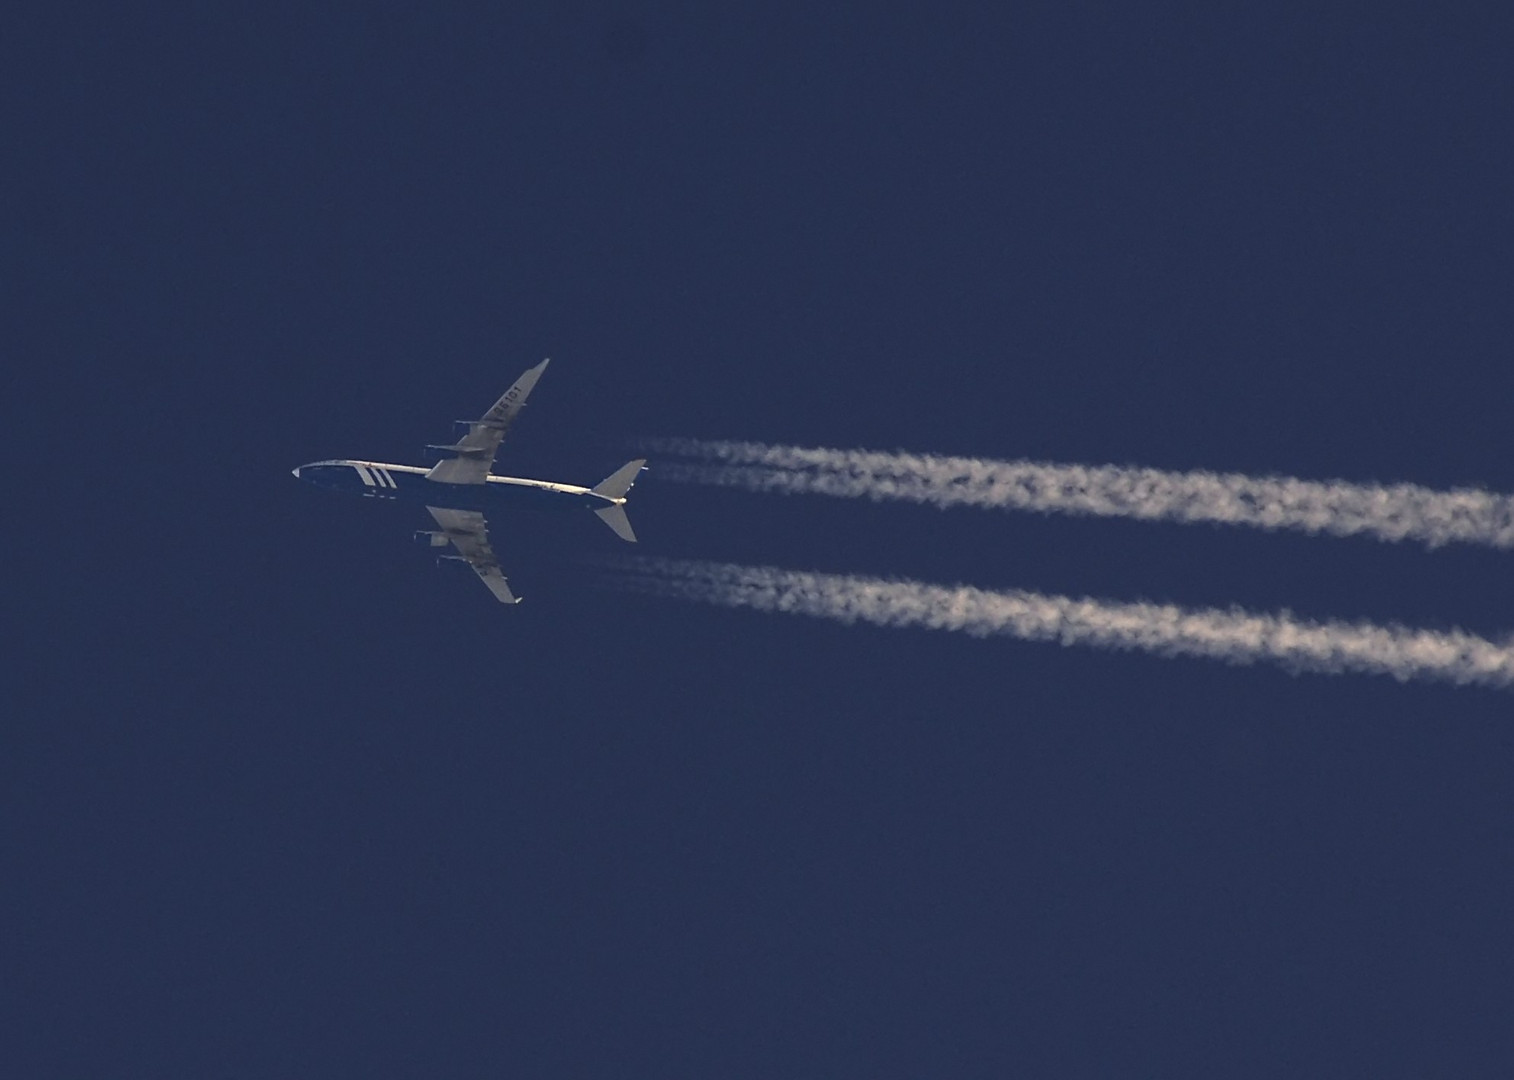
475	451
469	534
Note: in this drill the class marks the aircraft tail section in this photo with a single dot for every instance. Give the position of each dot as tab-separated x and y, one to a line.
619	482
615	487
614	516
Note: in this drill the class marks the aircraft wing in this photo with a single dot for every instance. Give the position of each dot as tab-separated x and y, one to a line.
469	534
475	451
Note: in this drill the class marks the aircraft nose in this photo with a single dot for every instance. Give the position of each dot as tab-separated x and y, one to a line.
295	473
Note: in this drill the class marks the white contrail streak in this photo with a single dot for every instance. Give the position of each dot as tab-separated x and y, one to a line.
1336	507
1234	636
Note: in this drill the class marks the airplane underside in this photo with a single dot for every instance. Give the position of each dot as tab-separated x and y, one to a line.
459	491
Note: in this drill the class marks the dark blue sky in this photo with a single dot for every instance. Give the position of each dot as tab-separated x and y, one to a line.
281	799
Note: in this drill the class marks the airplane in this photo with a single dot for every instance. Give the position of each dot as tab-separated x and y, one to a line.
458	490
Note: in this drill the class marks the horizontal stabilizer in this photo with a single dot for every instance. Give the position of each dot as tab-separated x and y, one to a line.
615	517
619	482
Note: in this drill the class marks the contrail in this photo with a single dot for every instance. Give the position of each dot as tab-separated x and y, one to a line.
1234	636
1335	507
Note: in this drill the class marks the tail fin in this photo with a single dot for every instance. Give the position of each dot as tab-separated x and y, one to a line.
614	516
619	482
